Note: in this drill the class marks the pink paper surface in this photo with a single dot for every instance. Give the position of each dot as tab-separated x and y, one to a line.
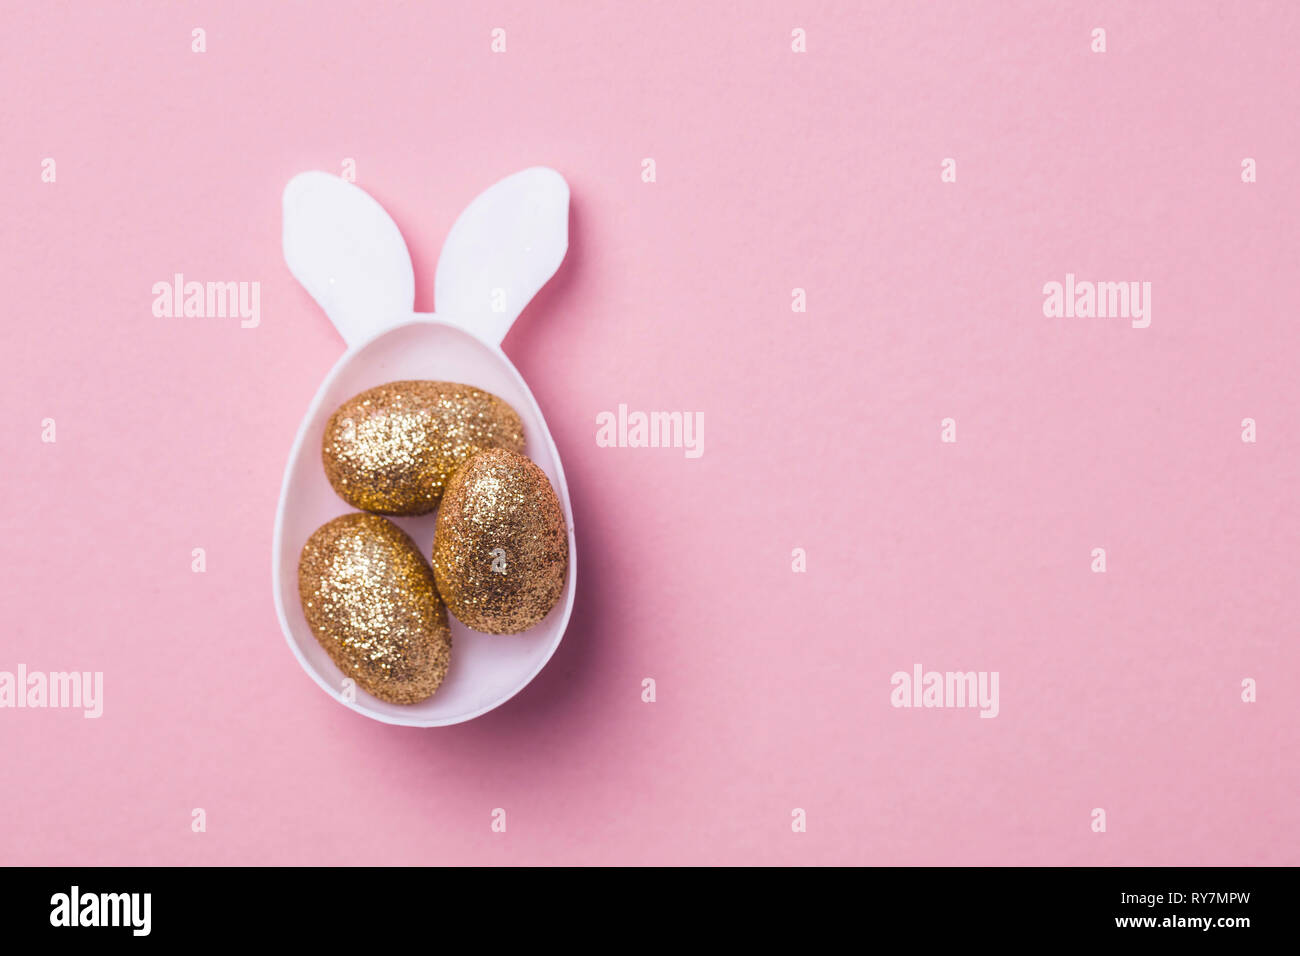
775	170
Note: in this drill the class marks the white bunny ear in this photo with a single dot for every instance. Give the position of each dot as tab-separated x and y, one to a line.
501	251
348	253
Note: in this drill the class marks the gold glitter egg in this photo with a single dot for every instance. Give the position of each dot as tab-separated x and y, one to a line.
370	599
392	448
500	545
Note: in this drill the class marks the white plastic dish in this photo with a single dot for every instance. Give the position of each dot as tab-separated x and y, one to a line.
348	253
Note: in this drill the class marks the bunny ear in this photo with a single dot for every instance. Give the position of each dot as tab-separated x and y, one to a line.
501	251
348	253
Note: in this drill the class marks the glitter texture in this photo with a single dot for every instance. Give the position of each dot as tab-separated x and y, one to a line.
370	599
500	546
393	448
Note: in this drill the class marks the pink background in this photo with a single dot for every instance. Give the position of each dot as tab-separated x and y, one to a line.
775	170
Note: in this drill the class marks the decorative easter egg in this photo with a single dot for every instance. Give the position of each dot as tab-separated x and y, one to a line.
369	598
500	545
349	255
392	448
